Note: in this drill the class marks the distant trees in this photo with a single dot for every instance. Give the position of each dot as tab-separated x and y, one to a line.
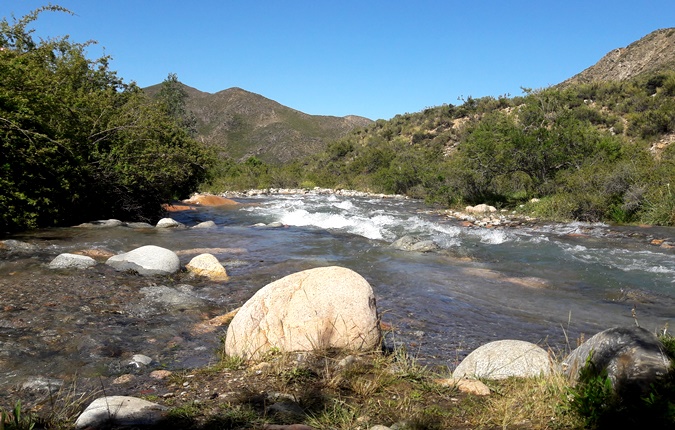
77	143
583	151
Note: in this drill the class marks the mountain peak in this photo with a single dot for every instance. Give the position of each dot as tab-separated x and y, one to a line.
652	53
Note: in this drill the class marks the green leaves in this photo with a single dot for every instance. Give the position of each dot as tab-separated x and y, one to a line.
80	144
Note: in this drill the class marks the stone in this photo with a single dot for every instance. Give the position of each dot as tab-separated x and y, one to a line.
205	224
169	223
72	261
480	209
208	266
413	243
17	247
139	225
633	357
124	379
120	411
425	246
139	360
465	385
503	359
41	384
147	260
104	223
96	253
170	298
210	200
326	307
160	374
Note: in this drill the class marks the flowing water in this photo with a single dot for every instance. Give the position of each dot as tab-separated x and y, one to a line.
544	283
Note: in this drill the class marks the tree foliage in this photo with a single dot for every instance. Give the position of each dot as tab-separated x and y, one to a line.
78	143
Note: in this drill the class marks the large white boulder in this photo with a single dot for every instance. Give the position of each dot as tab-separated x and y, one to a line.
327	307
147	260
120	411
503	359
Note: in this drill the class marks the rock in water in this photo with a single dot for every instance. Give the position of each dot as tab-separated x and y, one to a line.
327	307
72	261
147	260
208	266
503	359
633	357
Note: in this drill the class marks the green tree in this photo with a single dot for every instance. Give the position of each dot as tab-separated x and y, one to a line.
77	143
172	97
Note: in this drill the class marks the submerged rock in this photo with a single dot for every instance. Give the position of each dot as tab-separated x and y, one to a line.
503	359
326	307
103	223
17	247
415	244
171	298
147	260
633	357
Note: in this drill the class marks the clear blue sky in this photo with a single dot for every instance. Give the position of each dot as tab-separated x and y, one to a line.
370	58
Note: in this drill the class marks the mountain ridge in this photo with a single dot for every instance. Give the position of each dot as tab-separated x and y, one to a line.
241	124
650	54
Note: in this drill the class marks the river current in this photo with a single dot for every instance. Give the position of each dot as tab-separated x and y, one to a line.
547	283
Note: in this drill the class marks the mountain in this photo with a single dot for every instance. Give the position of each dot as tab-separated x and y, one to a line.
242	124
653	53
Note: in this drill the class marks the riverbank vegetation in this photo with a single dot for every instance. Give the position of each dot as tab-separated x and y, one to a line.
78	143
333	390
591	152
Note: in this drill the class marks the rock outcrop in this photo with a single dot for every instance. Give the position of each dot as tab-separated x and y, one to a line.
327	307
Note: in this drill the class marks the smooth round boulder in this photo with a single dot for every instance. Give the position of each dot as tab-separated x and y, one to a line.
208	266
71	261
169	223
503	359
633	357
120	411
147	260
326	307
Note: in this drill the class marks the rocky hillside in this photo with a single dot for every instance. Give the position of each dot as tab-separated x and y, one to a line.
242	124
653	53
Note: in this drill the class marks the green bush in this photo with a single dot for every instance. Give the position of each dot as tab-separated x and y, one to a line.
77	143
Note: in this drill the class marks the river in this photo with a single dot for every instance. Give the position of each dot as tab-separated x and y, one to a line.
547	283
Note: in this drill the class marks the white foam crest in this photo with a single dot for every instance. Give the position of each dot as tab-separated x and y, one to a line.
623	259
331	221
493	237
345	205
